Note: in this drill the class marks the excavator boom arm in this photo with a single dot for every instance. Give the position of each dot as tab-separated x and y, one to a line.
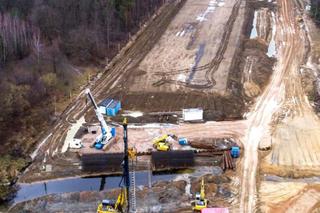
202	192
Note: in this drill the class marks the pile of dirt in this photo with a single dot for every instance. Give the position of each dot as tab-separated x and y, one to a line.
218	144
263	66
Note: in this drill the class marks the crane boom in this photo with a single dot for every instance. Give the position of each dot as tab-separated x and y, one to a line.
105	129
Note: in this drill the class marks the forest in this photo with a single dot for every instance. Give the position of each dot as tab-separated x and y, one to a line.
315	10
47	50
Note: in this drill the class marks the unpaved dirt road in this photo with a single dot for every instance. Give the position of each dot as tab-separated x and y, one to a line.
284	92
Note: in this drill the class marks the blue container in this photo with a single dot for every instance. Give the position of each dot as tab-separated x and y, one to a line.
183	141
113	131
98	145
113	108
111	111
235	151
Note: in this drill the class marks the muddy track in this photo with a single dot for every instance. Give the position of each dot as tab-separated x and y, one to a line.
284	81
132	57
211	67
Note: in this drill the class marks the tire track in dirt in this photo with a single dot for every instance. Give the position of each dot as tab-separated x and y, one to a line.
290	56
132	57
211	67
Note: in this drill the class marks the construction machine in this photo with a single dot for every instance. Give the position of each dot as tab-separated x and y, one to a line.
106	134
108	206
162	143
122	204
200	201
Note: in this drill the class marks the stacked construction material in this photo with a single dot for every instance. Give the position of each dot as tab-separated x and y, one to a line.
227	162
176	159
102	162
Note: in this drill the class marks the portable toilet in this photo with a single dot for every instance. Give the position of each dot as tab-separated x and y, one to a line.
235	151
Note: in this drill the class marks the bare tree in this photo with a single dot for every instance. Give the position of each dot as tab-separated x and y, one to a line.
36	45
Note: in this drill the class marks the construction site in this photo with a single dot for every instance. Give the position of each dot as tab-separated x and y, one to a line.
206	109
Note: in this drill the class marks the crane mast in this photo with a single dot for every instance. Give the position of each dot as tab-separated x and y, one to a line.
105	129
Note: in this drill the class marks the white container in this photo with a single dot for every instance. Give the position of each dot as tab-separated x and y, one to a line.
193	114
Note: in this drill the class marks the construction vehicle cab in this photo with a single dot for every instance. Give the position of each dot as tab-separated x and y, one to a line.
200	201
162	143
109	206
106	206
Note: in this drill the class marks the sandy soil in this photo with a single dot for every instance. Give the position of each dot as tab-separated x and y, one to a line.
188	51
289	197
141	137
284	84
296	133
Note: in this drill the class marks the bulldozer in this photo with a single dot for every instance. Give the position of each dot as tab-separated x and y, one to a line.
162	143
200	201
108	206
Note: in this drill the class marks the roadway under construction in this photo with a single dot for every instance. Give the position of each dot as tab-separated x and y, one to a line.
246	64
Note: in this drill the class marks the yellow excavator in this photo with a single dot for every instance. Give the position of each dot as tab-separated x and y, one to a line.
107	206
162	143
200	202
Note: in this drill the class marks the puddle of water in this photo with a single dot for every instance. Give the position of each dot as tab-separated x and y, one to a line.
39	189
134	114
254	32
272	45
